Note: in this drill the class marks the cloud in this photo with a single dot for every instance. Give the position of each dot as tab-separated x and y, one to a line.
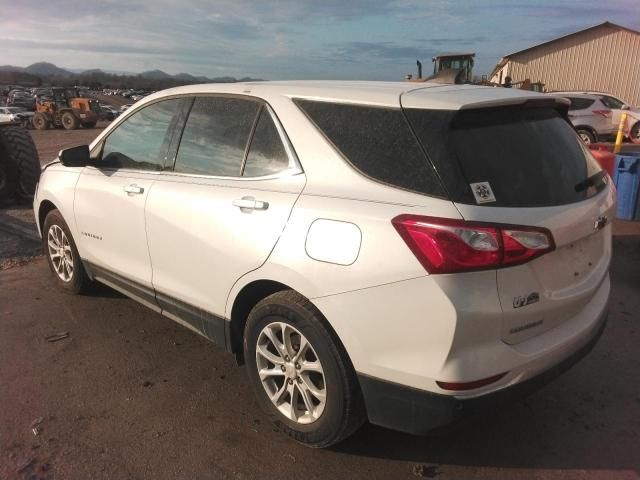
285	38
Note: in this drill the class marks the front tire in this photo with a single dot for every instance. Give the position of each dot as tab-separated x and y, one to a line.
300	371
62	254
40	121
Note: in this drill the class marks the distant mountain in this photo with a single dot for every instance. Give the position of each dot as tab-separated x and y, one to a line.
48	69
186	77
10	68
155	75
91	71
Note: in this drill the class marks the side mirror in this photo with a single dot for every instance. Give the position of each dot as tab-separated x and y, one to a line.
625	107
75	156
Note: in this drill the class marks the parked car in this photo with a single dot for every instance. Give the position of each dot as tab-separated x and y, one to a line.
20	98
387	251
590	117
109	112
16	114
616	106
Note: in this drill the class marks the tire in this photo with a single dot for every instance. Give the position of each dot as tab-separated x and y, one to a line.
634	133
70	121
40	121
587	136
89	125
56	231
7	182
342	412
22	160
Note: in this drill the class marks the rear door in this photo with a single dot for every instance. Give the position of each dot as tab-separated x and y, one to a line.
533	170
221	210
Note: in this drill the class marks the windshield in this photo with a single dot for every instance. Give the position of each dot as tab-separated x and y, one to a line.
523	156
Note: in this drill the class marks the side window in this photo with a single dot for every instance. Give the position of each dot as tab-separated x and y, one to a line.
376	141
611	102
215	136
141	141
580	103
266	153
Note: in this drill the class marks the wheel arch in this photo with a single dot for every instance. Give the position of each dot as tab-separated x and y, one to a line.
247	298
43	210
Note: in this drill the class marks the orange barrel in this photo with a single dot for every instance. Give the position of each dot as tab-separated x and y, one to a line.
604	155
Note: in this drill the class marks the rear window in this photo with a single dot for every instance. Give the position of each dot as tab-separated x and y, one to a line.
523	156
580	103
377	142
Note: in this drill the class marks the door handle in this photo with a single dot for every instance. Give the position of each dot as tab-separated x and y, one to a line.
133	188
250	203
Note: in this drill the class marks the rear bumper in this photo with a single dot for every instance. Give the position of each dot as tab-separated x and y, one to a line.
418	412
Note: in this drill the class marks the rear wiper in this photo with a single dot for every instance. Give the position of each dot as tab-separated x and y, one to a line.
592	181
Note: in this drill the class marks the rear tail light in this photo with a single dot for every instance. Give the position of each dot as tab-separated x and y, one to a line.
445	245
604	113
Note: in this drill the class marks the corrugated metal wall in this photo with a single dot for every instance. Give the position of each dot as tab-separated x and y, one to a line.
605	59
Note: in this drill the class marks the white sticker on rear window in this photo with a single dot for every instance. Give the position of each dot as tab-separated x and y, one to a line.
482	192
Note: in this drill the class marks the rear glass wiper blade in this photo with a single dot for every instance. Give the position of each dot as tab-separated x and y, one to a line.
592	181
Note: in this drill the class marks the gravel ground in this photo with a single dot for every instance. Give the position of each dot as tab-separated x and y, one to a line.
131	395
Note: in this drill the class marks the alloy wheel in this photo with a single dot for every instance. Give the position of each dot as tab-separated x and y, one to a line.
291	373
60	253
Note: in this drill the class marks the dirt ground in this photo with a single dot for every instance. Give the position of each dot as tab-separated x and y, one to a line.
129	394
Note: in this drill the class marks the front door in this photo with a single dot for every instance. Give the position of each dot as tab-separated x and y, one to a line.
111	195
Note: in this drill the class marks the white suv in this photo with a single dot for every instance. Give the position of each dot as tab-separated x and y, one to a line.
387	251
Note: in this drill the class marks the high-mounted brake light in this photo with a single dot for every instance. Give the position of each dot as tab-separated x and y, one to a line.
444	245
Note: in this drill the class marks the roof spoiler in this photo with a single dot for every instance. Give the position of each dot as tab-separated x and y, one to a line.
531	102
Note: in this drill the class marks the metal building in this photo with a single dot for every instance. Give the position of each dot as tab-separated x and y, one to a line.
603	58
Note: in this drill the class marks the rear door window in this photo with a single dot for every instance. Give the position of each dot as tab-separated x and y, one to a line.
525	156
578	103
377	142
215	136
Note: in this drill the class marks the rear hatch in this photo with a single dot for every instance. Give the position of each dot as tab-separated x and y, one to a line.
524	165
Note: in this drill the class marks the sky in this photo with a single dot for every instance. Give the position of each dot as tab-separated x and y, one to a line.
288	39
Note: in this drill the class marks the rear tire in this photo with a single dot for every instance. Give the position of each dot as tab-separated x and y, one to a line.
70	121
89	125
587	136
22	162
62	254
316	395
